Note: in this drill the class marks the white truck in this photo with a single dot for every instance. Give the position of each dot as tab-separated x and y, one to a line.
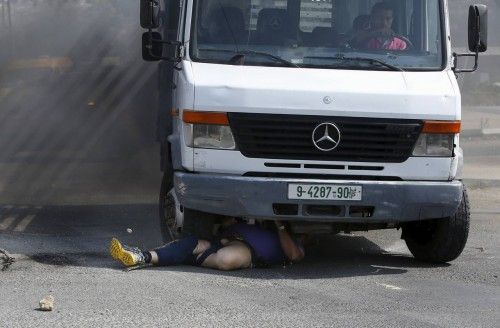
332	115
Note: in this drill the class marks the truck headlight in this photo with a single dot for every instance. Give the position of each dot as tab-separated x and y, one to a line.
435	145
437	139
209	136
208	130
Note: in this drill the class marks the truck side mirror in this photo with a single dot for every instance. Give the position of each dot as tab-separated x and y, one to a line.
152	46
478	38
150	14
478	28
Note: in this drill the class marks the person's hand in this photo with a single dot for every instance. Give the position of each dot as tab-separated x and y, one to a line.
382	32
279	225
387	31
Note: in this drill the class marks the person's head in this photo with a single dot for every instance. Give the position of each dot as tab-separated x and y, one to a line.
382	15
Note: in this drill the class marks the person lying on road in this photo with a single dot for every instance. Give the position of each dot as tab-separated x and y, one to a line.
240	246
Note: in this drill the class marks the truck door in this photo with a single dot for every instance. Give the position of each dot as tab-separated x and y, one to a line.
170	28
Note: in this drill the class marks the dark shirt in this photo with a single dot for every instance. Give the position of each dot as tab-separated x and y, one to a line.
265	243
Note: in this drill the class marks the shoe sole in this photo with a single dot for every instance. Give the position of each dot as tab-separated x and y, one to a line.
120	254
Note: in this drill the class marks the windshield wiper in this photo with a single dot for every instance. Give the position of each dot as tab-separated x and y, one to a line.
265	54
258	53
371	61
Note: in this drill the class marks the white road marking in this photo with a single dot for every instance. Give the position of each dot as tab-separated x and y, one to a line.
21	226
398	247
7	222
391	287
480	212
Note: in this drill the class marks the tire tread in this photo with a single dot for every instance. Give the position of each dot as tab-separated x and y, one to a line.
450	236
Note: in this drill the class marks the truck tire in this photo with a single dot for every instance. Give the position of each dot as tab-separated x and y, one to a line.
177	221
439	240
167	210
198	224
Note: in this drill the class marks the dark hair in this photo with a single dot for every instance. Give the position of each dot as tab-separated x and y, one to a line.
380	6
361	22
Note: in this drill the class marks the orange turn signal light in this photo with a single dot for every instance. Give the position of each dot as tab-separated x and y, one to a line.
214	118
442	127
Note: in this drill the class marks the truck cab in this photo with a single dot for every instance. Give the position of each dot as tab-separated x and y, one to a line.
332	115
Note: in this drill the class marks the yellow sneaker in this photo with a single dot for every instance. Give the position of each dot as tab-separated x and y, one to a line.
129	256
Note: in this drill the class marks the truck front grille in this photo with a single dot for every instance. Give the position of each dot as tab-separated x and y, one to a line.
291	137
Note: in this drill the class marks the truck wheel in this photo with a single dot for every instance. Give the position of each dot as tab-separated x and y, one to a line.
177	221
170	211
439	240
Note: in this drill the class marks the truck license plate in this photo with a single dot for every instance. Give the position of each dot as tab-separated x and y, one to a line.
324	192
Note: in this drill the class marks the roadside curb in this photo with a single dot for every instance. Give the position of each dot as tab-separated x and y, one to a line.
481	183
480	133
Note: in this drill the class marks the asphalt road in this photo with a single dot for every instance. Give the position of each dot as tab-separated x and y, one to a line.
360	280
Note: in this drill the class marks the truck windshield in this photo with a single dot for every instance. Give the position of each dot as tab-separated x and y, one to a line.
395	34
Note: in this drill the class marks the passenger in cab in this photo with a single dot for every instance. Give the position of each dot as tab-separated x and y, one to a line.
380	34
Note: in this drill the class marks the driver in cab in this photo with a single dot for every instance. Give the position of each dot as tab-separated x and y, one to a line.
380	34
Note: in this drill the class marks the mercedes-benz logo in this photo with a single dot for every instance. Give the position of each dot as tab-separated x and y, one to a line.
326	136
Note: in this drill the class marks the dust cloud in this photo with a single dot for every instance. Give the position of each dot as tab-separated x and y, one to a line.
78	104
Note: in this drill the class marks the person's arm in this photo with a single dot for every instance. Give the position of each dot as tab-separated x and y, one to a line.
290	248
363	37
360	37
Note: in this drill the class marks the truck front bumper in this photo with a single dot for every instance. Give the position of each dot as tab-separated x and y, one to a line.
263	198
